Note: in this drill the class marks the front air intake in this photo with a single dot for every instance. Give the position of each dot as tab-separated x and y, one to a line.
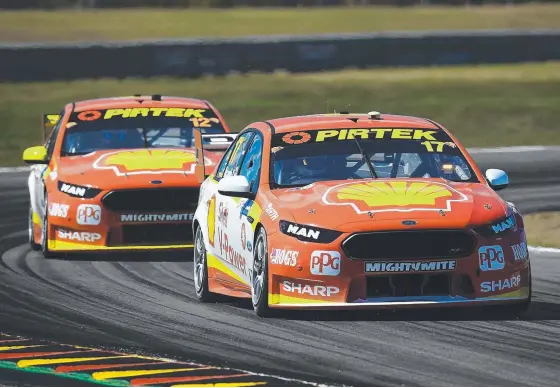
409	244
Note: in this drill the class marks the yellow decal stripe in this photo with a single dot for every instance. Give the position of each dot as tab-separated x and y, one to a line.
240	384
48	361
55	245
142	372
214	262
284	299
36	219
255	212
522	292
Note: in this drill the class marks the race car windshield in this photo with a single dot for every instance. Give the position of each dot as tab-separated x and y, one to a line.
301	158
136	128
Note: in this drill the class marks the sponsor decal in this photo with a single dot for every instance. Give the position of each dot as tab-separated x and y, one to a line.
157	217
88	214
520	251
325	263
283	257
401	196
491	258
272	213
229	254
151	161
308	289
431	140
249	246
501	285
73	190
408	222
223	213
413	266
58	210
296	230
78	236
507	224
296	138
126	113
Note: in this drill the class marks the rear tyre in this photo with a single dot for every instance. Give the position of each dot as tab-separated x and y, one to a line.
45	233
31	230
259	280
200	270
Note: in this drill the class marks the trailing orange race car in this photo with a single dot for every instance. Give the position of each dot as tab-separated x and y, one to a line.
351	211
119	174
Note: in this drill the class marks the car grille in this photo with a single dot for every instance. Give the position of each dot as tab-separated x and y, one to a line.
403	285
152	200
413	244
155	234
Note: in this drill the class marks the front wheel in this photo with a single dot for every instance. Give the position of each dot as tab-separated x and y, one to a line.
200	269
45	233
31	230
259	280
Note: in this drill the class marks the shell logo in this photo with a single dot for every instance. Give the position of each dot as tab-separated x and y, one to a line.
381	196
148	162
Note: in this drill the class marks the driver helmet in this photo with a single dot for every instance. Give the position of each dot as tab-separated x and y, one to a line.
320	166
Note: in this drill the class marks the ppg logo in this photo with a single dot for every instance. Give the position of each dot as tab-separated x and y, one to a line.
88	215
325	263
491	258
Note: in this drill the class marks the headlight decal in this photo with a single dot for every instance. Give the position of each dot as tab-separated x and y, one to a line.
498	227
308	233
77	191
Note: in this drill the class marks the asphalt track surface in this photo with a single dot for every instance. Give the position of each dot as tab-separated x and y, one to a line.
147	304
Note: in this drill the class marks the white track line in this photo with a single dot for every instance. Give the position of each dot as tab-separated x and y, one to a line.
6	170
543	249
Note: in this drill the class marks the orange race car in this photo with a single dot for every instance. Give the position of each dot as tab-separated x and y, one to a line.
356	211
118	174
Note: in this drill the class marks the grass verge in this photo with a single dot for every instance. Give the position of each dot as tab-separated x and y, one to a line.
102	25
484	106
542	229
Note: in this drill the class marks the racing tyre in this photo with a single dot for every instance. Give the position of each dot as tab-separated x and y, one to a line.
200	270
45	235
32	243
259	280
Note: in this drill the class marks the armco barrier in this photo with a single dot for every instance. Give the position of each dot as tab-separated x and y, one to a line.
197	57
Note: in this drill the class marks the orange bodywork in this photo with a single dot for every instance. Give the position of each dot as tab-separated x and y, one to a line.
119	199
366	217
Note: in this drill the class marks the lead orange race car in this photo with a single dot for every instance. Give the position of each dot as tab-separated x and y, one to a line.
353	211
118	174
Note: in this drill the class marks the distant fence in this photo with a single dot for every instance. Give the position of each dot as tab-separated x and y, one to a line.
198	57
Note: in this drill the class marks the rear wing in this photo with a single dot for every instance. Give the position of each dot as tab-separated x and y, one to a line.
49	121
215	143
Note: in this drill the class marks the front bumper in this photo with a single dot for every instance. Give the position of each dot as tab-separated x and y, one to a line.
323	277
89	226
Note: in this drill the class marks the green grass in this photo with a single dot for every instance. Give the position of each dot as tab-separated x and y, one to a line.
542	229
484	106
26	26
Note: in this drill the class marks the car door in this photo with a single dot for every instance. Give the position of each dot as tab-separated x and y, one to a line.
39	172
220	213
241	227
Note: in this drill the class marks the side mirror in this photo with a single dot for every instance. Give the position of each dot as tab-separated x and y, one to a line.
497	179
35	155
235	186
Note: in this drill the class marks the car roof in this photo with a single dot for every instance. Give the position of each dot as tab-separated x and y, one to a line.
140	101
350	120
